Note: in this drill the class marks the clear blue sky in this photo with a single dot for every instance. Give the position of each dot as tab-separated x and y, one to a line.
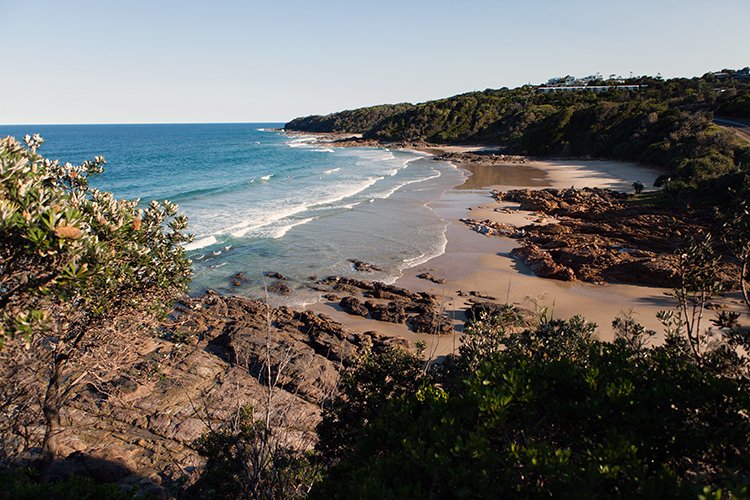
149	61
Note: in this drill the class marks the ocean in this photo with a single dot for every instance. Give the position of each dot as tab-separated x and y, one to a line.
261	201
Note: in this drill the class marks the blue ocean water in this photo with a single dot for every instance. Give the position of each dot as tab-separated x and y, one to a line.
259	200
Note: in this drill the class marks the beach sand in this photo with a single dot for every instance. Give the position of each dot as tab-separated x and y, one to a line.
482	264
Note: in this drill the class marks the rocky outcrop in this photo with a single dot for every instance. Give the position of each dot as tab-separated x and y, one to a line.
542	264
602	236
430	277
280	288
392	312
364	267
492	228
485	157
214	359
419	310
353	306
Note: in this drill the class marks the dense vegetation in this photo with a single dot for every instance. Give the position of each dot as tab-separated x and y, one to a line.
547	412
663	123
354	121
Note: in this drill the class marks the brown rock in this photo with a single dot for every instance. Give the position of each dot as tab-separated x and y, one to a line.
280	288
352	305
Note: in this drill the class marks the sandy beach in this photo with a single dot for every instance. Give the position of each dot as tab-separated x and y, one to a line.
475	265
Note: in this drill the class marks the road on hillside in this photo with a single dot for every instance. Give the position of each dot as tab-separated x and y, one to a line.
742	129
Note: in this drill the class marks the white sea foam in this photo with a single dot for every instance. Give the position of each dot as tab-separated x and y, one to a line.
266	177
267	216
331	170
323	150
389	193
437	251
280	230
302	142
201	243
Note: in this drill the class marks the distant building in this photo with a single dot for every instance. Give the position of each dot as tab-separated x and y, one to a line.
597	89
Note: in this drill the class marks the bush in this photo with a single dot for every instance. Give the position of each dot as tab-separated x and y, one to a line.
554	413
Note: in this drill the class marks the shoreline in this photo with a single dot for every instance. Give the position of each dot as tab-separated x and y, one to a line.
474	265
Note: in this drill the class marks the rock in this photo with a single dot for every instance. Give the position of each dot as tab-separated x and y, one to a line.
275	275
430	320
353	306
238	279
331	297
391	312
430	277
364	267
280	288
481	295
542	264
602	236
488	227
147	430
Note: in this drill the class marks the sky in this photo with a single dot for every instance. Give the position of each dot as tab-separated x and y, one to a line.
165	61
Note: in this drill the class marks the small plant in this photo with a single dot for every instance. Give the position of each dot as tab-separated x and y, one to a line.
628	330
726	319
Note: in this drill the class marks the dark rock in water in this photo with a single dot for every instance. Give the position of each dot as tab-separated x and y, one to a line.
332	297
312	277
430	277
352	305
275	275
364	267
238	279
391	312
280	288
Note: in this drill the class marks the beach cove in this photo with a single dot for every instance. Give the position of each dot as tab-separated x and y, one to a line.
477	267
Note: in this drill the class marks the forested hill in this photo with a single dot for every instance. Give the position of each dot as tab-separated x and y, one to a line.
664	123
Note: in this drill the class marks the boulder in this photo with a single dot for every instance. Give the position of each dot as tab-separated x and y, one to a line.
352	305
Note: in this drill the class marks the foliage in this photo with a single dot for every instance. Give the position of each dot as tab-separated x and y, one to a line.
244	461
25	484
554	413
698	285
77	267
364	393
353	121
663	123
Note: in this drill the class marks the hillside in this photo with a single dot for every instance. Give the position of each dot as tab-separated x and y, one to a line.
661	123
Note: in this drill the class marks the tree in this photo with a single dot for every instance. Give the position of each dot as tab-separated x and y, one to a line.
83	278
